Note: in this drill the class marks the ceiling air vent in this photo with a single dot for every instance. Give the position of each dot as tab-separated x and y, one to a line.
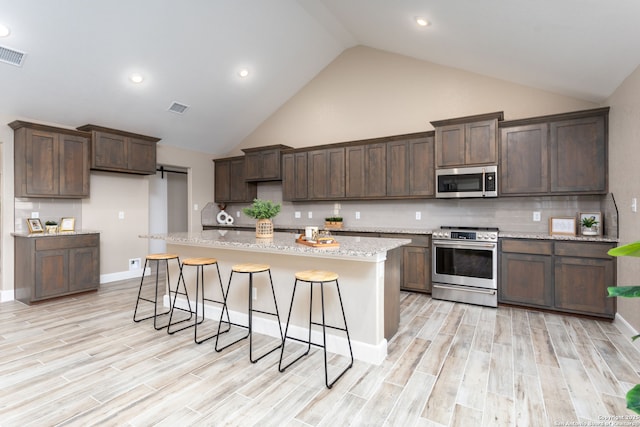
176	107
11	56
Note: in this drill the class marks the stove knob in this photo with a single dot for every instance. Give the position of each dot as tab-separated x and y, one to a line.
494	235
482	236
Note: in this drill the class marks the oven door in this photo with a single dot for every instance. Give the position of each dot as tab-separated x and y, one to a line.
465	263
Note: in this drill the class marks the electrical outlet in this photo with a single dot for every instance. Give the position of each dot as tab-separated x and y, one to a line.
357	215
134	263
634	205
337	206
195	206
297	214
35	215
121	215
418	215
310	214
255	293
536	216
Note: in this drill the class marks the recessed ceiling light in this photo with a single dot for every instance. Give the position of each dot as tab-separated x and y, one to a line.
136	78
422	21
243	73
4	30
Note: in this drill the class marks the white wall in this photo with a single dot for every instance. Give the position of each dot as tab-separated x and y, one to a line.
367	93
624	158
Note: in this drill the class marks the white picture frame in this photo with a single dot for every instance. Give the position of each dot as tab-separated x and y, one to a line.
562	225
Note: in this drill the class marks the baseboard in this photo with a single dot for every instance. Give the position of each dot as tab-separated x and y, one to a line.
374	354
123	275
626	328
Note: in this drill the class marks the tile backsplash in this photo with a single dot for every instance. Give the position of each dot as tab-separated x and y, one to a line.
508	213
47	209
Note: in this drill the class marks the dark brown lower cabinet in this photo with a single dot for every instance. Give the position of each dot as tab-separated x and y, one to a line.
563	276
52	266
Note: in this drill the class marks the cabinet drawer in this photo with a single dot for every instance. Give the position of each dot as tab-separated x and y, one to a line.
67	242
419	240
527	247
585	250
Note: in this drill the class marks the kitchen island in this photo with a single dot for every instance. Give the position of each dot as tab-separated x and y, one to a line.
369	282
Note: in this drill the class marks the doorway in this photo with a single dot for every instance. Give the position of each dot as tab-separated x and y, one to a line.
168	204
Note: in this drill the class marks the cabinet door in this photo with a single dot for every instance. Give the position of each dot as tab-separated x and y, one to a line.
222	185
270	160
376	170
239	189
84	268
581	285
301	189
335	173
526	279
523	159
481	142
52	274
252	166
398	168
450	141
422	167
355	173
42	163
317	174
579	155
74	166
109	151
416	269
141	156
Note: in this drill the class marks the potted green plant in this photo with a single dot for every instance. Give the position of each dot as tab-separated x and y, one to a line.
631	249
334	222
589	225
51	226
263	211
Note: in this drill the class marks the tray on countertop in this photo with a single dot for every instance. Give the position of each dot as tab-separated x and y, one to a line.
301	239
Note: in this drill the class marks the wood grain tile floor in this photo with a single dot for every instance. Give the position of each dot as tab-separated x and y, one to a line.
82	361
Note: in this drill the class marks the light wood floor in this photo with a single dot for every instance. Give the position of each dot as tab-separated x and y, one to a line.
83	361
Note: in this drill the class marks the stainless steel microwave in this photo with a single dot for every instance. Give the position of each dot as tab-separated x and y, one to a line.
471	181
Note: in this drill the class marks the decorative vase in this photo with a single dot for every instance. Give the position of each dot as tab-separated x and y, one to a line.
52	229
264	229
590	231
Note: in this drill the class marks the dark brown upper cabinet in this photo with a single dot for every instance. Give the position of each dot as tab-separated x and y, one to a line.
326	174
366	170
524	153
119	151
465	141
294	176
50	161
410	167
230	185
264	163
555	154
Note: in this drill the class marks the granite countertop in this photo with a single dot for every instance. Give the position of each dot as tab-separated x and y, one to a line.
63	233
547	236
359	248
397	230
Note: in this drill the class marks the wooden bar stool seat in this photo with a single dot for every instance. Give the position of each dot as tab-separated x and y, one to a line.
199	264
250	269
316	277
158	258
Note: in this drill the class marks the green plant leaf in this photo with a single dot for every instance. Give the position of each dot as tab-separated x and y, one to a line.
631	249
624	291
635	337
633	399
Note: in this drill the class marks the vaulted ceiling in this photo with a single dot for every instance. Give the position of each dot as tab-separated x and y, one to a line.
79	54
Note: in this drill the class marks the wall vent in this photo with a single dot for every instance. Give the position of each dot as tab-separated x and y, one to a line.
176	107
12	56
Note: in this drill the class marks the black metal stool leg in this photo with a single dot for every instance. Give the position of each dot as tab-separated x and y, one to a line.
155	300
346	329
308	342
173	304
225	307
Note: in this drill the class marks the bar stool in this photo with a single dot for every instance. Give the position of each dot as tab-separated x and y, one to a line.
250	269
316	277
166	257
199	264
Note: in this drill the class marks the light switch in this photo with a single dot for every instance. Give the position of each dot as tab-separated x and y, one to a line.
297	214
357	215
310	214
536	216
121	215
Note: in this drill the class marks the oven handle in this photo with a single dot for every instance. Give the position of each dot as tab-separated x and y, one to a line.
460	244
465	289
484	172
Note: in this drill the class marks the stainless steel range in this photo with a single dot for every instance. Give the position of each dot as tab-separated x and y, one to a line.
465	265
